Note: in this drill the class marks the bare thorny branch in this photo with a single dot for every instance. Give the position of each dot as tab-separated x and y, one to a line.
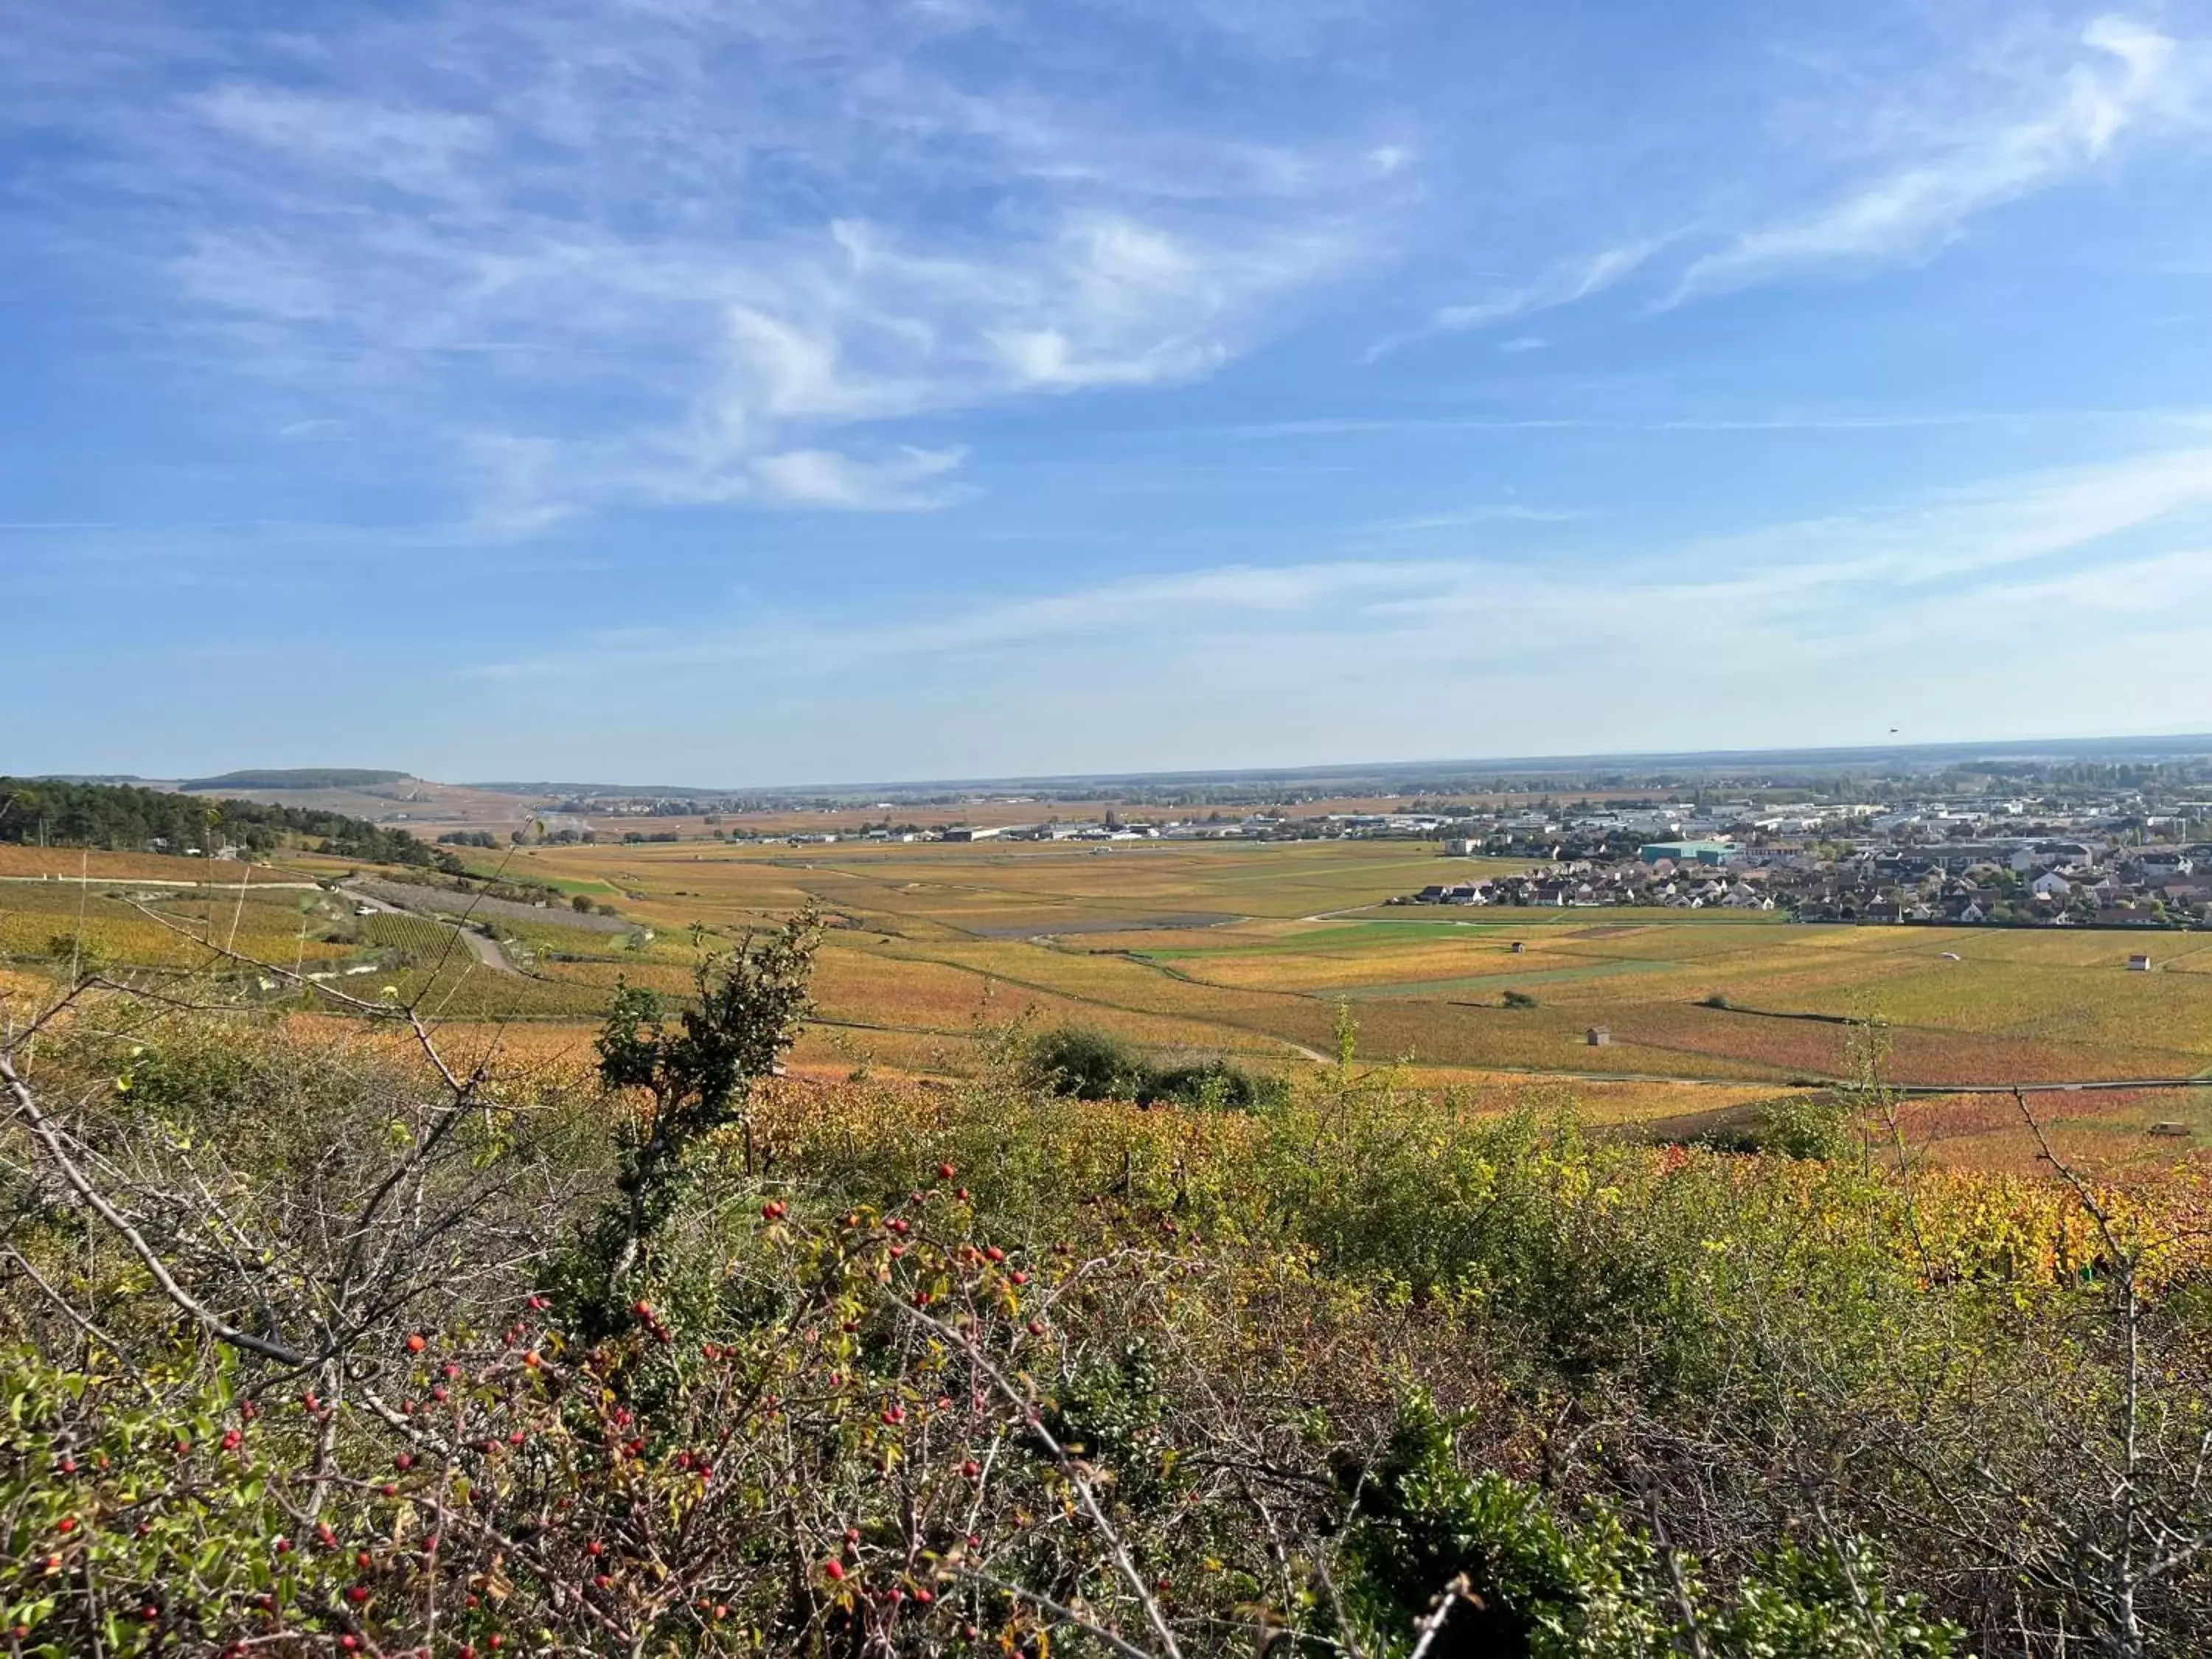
1071	1469
362	1291
2172	1546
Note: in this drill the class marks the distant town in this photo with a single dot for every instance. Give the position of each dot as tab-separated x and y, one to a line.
2067	844
2114	833
2121	859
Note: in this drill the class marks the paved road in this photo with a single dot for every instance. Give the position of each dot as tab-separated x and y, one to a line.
164	881
485	951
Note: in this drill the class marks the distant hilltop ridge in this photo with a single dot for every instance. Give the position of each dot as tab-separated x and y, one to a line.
300	777
1558	771
1669	770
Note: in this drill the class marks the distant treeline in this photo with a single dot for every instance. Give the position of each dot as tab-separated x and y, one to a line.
297	777
124	818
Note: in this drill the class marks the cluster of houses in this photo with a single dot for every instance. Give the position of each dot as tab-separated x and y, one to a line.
2052	883
2060	853
1689	886
1255	827
2018	881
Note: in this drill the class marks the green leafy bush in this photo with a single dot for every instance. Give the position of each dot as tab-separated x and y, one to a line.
1088	1064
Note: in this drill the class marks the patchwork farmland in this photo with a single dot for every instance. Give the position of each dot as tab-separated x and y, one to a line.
1243	950
1251	948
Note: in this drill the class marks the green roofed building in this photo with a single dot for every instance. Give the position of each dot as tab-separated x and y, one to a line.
1688	852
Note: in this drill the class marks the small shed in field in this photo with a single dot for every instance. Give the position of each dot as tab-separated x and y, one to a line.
2139	964
1518	947
1598	1037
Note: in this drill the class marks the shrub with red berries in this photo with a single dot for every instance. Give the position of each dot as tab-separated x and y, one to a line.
1209	1380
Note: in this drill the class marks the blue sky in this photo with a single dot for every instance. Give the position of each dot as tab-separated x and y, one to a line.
757	390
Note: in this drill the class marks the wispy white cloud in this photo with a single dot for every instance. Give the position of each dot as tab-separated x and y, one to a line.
1561	288
1996	526
527	484
1463	517
2010	554
1574	280
424	152
909	481
257	275
1289	28
1139	609
1948	166
2181	420
649	251
618	252
1899	164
